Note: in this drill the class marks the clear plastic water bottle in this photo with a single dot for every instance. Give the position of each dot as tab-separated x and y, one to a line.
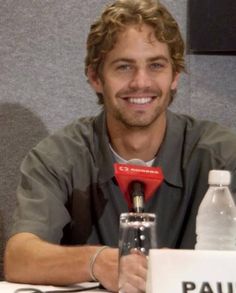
216	218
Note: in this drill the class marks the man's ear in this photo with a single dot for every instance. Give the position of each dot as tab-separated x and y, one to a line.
94	79
175	81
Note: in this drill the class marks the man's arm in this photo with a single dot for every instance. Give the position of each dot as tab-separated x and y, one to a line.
28	259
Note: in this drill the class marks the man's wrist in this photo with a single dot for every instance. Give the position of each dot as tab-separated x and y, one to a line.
92	261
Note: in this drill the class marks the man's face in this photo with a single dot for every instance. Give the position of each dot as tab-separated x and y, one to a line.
137	78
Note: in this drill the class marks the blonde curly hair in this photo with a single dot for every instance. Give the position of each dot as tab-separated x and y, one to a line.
103	32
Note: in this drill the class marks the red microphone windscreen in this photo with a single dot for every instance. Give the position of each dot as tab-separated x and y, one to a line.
151	177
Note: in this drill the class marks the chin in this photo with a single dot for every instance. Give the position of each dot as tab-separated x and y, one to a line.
137	124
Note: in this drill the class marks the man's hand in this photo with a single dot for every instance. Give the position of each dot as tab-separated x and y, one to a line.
133	273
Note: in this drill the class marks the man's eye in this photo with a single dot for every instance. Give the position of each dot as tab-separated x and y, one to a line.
156	66
124	67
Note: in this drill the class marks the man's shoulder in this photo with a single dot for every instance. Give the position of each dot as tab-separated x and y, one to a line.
75	139
203	131
210	133
79	128
208	137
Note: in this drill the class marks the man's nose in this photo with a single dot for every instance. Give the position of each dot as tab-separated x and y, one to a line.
140	80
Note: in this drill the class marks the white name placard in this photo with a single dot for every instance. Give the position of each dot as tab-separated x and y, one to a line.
191	271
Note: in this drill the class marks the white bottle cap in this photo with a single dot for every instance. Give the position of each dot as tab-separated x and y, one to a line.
221	177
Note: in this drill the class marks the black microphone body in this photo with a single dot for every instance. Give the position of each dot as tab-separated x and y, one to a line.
137	196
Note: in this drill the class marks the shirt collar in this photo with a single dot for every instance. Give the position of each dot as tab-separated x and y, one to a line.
103	154
169	157
121	160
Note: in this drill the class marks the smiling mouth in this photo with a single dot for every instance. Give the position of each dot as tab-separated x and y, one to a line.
140	101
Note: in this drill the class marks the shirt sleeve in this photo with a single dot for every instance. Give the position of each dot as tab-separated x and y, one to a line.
42	194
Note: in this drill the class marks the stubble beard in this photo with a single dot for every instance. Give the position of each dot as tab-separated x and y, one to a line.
140	120
136	122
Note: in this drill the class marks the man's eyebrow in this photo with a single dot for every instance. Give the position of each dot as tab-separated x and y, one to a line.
151	59
159	57
128	60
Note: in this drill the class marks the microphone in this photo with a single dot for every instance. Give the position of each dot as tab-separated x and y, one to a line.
138	182
136	189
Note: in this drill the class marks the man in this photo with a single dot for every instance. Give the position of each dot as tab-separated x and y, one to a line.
68	200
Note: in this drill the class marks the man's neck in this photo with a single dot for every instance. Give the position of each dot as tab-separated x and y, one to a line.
142	143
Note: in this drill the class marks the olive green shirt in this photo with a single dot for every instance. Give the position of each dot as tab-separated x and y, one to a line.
68	193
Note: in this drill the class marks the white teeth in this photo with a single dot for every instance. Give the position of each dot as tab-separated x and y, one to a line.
139	101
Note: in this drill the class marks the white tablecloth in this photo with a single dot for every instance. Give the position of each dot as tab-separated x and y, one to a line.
6	287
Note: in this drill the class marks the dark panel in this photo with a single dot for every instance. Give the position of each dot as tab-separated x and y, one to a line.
212	26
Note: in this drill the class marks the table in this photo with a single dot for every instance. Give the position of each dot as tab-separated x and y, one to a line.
6	287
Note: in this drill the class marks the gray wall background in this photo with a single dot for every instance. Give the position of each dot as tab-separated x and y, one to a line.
43	87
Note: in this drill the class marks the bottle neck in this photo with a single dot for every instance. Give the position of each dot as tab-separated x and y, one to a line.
219	185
